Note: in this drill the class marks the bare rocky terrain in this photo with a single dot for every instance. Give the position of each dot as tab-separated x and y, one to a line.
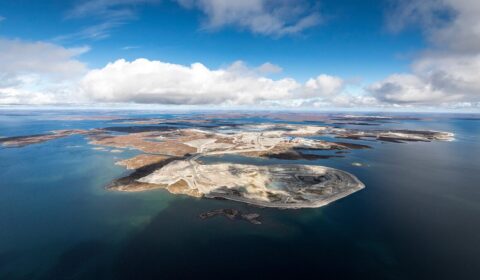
170	153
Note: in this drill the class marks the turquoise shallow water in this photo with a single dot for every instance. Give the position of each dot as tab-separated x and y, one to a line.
417	217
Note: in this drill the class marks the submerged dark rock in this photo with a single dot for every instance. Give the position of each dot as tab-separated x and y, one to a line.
232	214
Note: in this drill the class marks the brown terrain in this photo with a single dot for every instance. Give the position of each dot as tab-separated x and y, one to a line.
169	156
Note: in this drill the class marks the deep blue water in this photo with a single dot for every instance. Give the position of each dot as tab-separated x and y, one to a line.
417	218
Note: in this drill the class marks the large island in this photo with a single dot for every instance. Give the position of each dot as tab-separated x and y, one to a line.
172	152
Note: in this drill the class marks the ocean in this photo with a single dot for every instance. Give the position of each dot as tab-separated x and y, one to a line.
417	218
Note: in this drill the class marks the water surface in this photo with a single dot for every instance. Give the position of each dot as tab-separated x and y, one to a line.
417	218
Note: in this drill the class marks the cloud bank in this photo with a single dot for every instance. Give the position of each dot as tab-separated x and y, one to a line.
38	72
436	79
145	81
447	74
57	76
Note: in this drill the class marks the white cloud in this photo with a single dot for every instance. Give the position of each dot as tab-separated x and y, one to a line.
2	18
145	81
435	79
267	17
38	72
458	75
344	100
325	84
18	96
405	89
448	24
20	57
449	73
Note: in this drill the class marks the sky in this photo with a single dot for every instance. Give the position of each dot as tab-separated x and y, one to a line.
274	54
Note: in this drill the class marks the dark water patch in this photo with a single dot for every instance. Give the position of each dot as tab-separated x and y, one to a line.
314	122
364	120
356	123
220	249
297	155
7	258
382	139
380	119
82	261
129	120
467	119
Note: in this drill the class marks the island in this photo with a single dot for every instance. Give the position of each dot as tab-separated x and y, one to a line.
172	152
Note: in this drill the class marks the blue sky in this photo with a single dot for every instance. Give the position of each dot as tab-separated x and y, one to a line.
351	41
374	47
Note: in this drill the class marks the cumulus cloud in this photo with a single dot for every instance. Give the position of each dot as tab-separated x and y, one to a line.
145	81
448	73
325	85
37	72
406	89
266	17
435	79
